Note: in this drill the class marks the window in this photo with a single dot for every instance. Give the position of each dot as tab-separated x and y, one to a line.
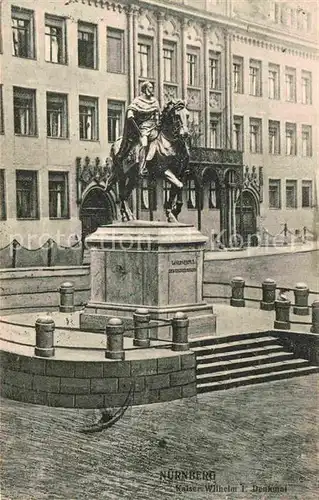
87	45
194	122
291	140
148	195
169	62
238	133
114	120
291	194
213	195
27	194
115	51
215	122
255	135
274	193
145	58
3	214
274	137
192	58
55	40
58	195
214	70
290	84
57	115
273	81
306	90
306	137
192	194
255	82
22	32
306	194
88	114
1	111
24	111
238	65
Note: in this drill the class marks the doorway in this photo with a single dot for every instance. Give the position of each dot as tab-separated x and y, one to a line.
249	219
97	210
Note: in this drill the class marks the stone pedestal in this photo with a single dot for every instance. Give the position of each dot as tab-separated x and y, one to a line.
156	265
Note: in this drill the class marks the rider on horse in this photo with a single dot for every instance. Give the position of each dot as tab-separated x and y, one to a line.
141	125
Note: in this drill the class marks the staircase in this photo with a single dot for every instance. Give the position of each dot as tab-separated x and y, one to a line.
243	359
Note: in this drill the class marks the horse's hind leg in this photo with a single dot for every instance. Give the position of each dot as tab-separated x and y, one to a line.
127	187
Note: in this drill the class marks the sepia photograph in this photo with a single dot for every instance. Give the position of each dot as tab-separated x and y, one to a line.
159	249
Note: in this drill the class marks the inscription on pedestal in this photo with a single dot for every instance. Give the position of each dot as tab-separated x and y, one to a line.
185	262
182	278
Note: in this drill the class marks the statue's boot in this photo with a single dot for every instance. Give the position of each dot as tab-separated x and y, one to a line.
142	162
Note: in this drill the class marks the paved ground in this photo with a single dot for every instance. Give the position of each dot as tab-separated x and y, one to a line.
262	436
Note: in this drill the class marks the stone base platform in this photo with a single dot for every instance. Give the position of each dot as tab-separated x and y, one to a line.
201	318
79	375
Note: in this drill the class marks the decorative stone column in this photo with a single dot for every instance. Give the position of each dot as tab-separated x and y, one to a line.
135	13
269	295
141	327
180	332
282	308
44	337
160	70
114	339
206	28
131	50
183	57
237	295
315	317
301	293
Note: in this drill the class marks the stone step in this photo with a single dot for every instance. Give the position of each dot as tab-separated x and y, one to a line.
240	353
256	379
250	370
218	366
233	346
213	340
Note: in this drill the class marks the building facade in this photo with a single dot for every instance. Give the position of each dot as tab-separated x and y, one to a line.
247	70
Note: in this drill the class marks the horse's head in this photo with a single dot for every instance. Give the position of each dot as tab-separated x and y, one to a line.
175	116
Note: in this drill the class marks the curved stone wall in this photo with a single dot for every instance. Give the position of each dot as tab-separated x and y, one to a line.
90	384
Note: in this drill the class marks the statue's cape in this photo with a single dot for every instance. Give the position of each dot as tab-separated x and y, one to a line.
142	105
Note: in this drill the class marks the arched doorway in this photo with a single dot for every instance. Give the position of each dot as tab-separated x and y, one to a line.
97	209
248	226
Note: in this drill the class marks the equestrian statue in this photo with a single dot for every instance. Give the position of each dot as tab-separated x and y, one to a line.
153	144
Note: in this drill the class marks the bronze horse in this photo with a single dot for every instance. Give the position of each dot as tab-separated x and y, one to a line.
167	157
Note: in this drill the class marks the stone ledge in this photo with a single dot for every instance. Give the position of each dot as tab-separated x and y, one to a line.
86	384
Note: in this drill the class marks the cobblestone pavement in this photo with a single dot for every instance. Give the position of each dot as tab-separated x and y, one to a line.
262	436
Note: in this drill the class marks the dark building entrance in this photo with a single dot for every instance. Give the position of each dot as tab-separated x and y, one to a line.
96	210
249	219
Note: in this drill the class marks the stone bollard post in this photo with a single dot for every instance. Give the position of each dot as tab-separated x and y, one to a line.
269	295
237	292
180	324
141	327
315	317
282	308
301	293
44	337
114	339
66	297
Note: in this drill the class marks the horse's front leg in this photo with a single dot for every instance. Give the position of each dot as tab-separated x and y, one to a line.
174	203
